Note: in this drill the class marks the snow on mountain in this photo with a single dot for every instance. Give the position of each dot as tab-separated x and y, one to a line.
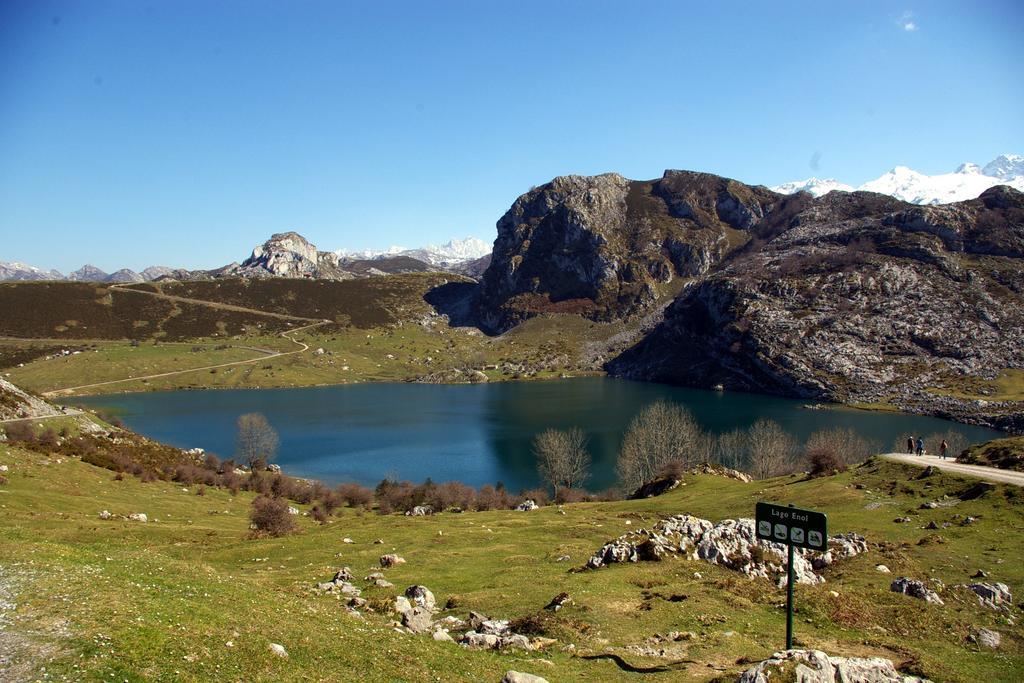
906	184
14	270
813	185
452	252
1005	166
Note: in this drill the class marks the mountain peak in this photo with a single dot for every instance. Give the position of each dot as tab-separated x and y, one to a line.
967	168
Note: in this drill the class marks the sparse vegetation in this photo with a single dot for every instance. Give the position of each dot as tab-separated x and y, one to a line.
661	433
269	515
562	458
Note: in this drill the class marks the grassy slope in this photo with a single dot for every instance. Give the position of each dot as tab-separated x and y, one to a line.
158	601
1005	453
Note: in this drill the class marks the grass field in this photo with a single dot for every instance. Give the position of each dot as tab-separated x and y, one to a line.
119	600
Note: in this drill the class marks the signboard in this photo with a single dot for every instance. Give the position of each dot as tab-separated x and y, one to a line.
792	526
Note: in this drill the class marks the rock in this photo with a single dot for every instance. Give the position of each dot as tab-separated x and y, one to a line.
655	487
519	677
882	568
527	506
402	604
980	574
272	467
930	505
418	620
347	540
558	601
475	619
902	520
343	574
138	517
420	511
390	560
915	589
4	468
442	636
814	666
932	525
357	602
106	515
515	641
480	641
373	576
967	521
992	595
731	544
279	650
497	627
379	541
420	596
292	510
563	558
383	583
987	638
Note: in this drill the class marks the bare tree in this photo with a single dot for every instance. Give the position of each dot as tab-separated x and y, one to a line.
562	457
660	434
770	448
731	449
256	442
829	450
955	441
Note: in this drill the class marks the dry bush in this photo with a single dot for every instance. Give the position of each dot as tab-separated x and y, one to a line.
824	461
562	457
956	441
20	432
270	516
841	445
730	449
355	495
452	494
537	495
492	498
319	513
571	496
256	441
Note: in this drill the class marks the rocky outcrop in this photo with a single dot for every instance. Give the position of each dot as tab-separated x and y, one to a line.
856	297
731	543
288	254
814	666
915	589
603	246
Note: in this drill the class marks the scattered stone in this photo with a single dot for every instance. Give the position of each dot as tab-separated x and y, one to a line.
882	568
292	510
374	576
379	541
562	558
383	583
357	602
967	521
986	638
390	560
276	469
279	650
814	666
992	595
106	515
932	525
980	574
902	520
418	620
930	505
343	574
138	517
420	511
520	677
915	589
443	637
347	540
527	506
558	601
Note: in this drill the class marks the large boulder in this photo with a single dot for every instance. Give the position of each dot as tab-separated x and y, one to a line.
992	595
733	543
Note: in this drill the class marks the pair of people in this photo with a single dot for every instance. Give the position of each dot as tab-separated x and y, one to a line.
915	446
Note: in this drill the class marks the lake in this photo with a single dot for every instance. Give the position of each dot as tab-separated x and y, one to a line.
476	434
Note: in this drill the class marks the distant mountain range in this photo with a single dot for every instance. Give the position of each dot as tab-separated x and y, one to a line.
290	255
966	182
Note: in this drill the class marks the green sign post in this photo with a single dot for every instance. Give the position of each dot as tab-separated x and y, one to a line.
797	529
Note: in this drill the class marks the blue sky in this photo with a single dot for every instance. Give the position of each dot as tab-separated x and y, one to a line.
183	133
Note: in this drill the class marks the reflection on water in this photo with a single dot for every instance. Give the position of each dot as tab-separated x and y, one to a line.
477	434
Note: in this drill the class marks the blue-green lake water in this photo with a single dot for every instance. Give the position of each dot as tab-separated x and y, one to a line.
476	434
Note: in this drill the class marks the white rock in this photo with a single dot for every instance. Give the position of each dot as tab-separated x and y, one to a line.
138	517
278	650
882	568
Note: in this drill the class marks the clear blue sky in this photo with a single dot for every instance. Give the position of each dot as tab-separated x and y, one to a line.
185	132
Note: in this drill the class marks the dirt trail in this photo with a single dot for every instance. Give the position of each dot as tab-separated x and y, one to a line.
950	465
212	304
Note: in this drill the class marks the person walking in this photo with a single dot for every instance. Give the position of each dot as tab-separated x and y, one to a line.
910	444
942	449
920	446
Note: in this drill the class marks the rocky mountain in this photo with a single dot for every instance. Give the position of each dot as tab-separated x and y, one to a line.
858	298
87	273
967	182
13	270
607	247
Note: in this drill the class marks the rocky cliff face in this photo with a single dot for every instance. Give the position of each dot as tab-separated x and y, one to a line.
601	246
857	298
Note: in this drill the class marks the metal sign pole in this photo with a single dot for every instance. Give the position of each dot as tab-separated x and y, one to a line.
789	600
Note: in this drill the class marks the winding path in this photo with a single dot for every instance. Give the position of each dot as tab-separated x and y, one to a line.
950	465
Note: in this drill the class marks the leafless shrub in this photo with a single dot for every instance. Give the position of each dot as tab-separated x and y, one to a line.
955	442
270	516
730	449
837	445
355	495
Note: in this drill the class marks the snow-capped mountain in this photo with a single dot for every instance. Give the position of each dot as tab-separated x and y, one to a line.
452	252
966	182
14	270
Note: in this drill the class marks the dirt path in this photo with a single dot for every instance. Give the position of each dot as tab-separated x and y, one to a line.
212	304
275	354
69	412
952	466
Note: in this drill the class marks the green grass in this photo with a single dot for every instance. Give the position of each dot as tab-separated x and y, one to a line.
158	601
